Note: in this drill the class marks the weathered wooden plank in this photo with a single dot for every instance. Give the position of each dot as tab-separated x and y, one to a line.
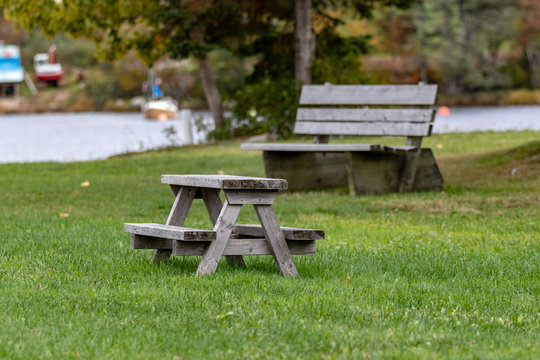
238	247
365	115
183	198
149	242
290	233
309	147
326	148
223	229
368	94
213	205
276	240
182	203
356	128
170	232
225	182
240	197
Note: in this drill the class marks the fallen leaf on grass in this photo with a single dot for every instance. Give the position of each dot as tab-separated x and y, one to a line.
223	316
64	214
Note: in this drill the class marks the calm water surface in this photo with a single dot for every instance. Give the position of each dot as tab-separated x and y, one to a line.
91	136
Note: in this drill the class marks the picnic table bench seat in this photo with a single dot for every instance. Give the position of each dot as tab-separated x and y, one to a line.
226	238
360	110
245	239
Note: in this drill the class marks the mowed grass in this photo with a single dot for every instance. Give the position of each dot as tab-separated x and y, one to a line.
453	274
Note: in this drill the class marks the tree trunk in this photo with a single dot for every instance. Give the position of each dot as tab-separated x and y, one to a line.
533	58
213	99
304	41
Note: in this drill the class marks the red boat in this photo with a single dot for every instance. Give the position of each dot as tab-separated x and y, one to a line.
47	67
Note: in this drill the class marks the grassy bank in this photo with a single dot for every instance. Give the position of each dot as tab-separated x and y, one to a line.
452	274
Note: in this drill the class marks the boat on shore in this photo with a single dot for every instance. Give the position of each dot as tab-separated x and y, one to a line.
47	67
160	109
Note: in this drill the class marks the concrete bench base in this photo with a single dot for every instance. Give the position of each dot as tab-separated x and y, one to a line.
368	172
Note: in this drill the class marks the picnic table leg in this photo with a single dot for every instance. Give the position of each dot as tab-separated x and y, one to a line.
223	228
276	240
213	205
182	202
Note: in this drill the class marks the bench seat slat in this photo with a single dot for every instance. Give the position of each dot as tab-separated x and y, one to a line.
244	247
290	233
309	147
368	94
365	115
170	232
327	147
370	129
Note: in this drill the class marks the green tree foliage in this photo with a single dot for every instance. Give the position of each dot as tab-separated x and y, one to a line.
466	38
258	29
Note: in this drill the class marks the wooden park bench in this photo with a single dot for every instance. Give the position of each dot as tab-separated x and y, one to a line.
373	110
226	238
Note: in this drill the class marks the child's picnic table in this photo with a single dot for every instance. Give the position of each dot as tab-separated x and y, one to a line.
226	238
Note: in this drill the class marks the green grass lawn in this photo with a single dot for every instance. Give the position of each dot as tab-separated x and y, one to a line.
453	274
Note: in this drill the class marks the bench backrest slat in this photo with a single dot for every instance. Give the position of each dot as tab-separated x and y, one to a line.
354	117
366	115
362	128
368	94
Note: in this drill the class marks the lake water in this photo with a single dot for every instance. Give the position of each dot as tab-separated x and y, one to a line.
90	136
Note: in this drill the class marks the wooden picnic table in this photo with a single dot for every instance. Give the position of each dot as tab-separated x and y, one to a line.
226	238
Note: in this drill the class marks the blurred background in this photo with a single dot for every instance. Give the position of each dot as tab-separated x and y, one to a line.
479	52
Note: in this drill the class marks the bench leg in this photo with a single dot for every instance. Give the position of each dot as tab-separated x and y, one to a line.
182	202
276	240
213	205
223	228
406	182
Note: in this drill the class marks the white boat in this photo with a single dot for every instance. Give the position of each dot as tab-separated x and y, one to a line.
161	109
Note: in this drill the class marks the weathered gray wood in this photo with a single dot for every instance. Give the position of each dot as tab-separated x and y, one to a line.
241	197
290	233
150	242
320	165
368	94
183	198
365	115
326	147
309	147
366	128
406	182
223	229
276	240
170	232
181	205
225	182
213	205
239	247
